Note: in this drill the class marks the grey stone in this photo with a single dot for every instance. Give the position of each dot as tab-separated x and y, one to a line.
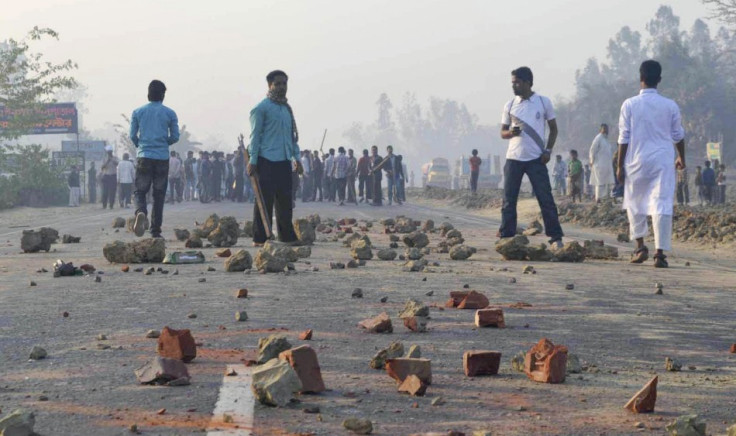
414	308
415	352
153	334
118	222
514	248
517	362
386	254
38	353
538	253
413	253
570	252
303	252
686	425
240	261
304	231
573	364
161	370
271	346
266	262
69	239
453	233
461	252
33	241
152	250
281	250
672	364
416	239
415	265
358	425
181	234
226	233
275	383
394	350
357	293
361	249
241	316
193	241
209	225
18	423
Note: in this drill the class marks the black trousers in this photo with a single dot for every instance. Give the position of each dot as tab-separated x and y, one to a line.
474	180
148	173
92	191
109	186
306	187
276	184
513	172
351	189
364	186
125	191
376	191
317	183
340	185
239	180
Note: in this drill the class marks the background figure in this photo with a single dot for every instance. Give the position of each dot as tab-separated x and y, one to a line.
709	182
376	176
575	174
306	160
600	156
329	176
352	172
587	188
126	177
364	177
73	183
239	170
109	172
92	183
317	175
559	174
174	174
190	187
699	184
340	173
683	192
393	172
721	181
474	162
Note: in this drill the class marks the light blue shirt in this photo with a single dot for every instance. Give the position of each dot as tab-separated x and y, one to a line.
271	133
153	128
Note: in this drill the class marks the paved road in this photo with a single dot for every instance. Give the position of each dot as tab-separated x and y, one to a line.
612	320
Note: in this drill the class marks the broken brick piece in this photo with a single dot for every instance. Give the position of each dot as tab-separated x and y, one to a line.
733	348
456	297
474	300
306	335
177	344
490	318
400	368
413	386
161	370
643	401
242	293
416	323
379	324
546	362
481	363
304	361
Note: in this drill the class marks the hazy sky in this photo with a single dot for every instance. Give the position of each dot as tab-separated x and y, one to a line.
340	55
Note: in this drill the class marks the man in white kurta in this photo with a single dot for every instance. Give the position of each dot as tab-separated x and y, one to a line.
601	161
650	131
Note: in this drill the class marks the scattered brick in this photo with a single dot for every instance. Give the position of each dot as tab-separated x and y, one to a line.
379	324
546	362
306	335
242	293
643	401
474	300
490	318
416	323
414	386
304	361
400	368
177	344
481	363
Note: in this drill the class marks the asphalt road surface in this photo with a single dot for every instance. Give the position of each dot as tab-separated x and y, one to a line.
612	320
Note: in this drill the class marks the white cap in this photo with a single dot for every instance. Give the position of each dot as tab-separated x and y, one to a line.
108	148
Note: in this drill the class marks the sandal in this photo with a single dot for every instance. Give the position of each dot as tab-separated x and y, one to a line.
640	255
660	262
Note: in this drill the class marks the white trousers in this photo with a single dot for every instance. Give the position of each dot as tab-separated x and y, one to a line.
602	191
74	196
662	224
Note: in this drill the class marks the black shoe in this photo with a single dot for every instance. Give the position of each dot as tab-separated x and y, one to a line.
156	236
640	255
660	262
139	226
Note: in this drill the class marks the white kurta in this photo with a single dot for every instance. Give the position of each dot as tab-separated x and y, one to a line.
651	125
601	154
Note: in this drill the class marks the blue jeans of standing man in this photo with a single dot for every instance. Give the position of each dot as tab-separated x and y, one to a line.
393	182
513	172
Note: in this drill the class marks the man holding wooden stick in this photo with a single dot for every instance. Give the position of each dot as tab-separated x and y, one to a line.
274	156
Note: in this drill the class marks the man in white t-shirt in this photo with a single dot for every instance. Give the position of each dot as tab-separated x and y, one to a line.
524	122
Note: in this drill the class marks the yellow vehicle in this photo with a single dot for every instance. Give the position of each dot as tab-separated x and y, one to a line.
438	173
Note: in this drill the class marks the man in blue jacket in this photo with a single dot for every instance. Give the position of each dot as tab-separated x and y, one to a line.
153	128
709	182
274	153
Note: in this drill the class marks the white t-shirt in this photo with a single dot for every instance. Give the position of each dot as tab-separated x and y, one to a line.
535	113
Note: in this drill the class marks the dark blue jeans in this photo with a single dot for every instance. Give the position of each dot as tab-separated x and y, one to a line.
513	172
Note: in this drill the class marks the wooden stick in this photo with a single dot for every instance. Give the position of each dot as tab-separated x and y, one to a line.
257	192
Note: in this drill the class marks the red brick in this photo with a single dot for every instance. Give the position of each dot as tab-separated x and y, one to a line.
304	361
416	323
643	401
490	318
242	293
177	344
481	363
456	297
399	369
546	362
733	348
125	268
379	324
474	300
223	252
413	386
306	335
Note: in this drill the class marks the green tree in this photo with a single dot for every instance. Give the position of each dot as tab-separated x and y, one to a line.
27	80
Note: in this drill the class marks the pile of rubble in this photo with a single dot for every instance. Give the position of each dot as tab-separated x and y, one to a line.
484	198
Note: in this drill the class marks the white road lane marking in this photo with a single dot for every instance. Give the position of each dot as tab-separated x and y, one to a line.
236	400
